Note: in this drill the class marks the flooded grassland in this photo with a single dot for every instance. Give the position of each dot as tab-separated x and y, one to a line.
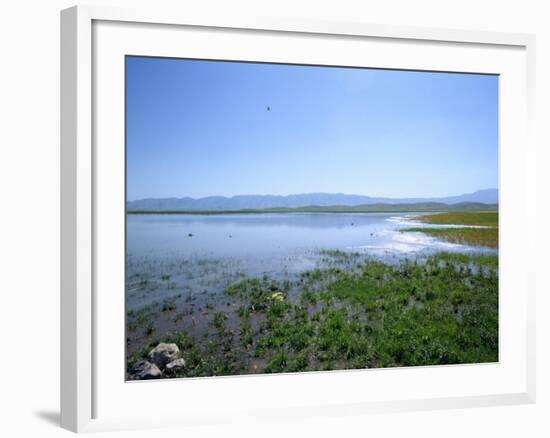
304	292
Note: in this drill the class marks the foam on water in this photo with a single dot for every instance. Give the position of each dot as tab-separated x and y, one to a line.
409	221
410	242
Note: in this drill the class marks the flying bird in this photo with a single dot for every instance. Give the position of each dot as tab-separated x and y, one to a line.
269	108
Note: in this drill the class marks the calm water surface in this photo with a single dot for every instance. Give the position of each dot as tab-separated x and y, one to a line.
272	234
198	253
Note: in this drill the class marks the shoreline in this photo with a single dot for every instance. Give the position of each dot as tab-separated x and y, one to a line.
336	209
473	228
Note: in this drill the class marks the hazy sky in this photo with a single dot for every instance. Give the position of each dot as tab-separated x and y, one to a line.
201	128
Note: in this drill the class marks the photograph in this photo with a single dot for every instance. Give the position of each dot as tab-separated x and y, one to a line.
290	218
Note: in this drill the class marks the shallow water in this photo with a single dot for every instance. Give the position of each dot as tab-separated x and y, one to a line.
275	235
190	255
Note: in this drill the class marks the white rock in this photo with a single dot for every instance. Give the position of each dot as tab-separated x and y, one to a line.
164	353
145	370
174	366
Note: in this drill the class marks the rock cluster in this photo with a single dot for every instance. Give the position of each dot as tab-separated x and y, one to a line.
164	359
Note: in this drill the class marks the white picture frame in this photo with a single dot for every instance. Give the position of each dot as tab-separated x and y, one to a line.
92	36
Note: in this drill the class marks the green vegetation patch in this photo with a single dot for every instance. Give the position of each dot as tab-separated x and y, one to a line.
468	234
487	237
479	218
365	208
441	311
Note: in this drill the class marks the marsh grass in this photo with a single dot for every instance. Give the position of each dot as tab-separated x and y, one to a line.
479	218
477	228
441	311
487	237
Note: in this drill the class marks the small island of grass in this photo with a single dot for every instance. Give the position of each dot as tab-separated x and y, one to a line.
475	228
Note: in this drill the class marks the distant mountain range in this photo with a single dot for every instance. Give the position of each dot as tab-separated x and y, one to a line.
258	202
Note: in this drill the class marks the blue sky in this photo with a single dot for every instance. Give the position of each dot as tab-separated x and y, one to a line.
201	128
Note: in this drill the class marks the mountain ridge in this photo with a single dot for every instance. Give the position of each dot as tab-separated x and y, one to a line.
241	202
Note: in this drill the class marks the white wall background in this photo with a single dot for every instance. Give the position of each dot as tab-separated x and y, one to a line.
29	215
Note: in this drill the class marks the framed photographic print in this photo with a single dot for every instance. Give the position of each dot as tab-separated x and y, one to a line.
258	208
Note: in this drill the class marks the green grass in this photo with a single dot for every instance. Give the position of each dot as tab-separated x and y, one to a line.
367	208
441	311
486	236
460	260
480	218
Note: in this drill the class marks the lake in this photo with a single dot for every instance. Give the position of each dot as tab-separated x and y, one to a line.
168	253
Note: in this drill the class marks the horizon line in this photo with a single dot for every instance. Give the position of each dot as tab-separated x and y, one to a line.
312	193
